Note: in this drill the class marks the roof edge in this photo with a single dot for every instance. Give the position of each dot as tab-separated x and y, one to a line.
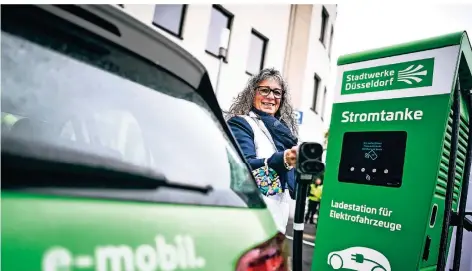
403	48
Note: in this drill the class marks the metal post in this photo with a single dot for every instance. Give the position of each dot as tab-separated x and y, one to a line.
299	221
222	52
298	227
221	57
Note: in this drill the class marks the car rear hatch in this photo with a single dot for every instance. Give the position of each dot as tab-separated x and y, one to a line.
104	163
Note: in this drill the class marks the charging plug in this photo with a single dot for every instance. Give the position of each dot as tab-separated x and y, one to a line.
359	258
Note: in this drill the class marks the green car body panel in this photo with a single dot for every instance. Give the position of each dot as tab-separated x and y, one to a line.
106	231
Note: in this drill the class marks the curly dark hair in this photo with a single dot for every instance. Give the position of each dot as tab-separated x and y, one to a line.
243	103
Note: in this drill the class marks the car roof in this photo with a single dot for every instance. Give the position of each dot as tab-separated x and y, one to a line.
113	24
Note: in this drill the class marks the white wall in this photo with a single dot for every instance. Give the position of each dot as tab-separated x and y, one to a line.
313	127
272	21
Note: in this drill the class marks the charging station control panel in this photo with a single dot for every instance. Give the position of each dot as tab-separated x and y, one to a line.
373	158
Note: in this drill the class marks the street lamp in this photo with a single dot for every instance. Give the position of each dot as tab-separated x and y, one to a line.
222	52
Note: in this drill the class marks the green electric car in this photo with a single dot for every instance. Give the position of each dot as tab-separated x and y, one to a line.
115	153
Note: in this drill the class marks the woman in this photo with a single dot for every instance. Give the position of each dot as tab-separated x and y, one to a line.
262	120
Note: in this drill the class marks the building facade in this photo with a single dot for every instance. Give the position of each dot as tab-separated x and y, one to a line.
295	39
308	66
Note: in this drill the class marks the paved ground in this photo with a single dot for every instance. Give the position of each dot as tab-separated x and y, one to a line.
308	237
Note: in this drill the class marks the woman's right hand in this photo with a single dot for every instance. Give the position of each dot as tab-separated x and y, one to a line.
290	156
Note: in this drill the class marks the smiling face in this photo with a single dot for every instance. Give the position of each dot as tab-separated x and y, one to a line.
268	96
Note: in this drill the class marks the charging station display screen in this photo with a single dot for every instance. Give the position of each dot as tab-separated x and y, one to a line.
373	158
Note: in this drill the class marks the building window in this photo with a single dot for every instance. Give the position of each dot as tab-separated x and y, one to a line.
257	51
331	41
324	104
170	18
220	19
314	106
324	24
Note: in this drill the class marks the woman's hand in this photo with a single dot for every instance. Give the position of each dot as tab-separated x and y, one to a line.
290	156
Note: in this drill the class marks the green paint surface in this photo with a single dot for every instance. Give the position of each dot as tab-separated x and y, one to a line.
390	220
42	232
404	48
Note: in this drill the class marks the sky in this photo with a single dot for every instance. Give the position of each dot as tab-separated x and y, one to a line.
361	26
364	26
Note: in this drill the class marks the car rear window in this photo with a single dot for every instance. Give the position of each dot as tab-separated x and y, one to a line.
92	96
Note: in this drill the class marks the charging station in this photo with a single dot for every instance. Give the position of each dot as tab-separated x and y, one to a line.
397	156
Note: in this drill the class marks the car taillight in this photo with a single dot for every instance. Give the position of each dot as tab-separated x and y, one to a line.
271	255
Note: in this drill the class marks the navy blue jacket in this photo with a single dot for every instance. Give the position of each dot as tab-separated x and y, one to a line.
245	136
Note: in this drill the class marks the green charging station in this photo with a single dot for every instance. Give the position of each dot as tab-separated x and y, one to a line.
388	157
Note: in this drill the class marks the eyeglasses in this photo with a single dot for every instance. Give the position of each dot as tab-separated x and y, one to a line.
265	91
